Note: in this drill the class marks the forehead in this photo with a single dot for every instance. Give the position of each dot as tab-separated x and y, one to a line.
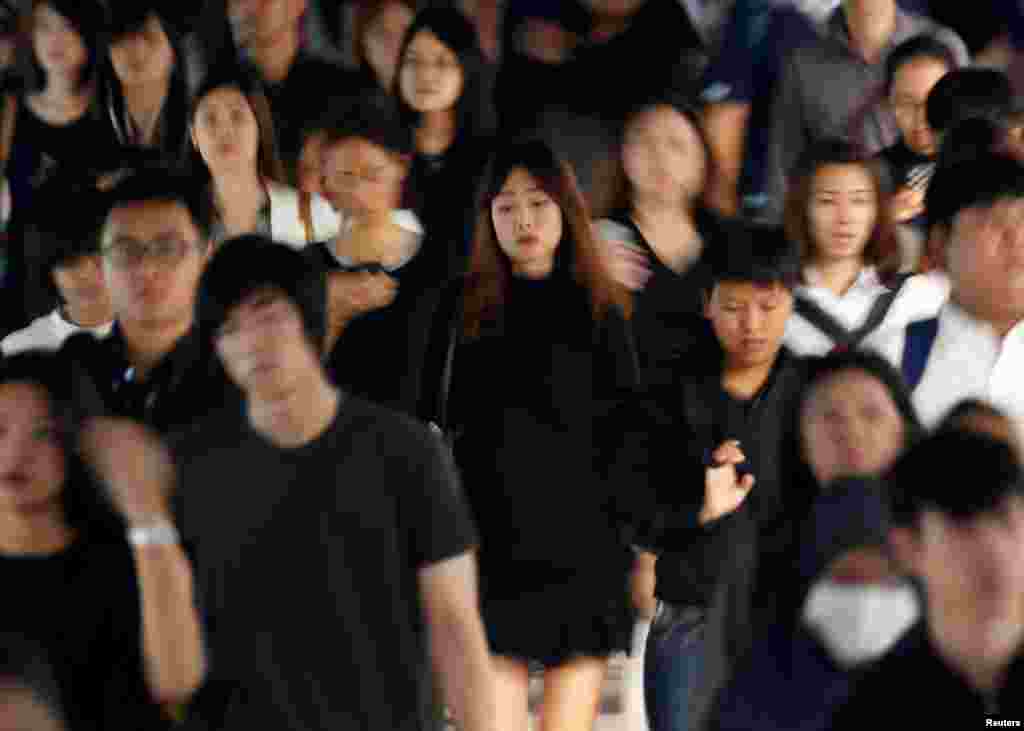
357	150
224	96
260	295
662	119
426	41
842	176
850	383
745	291
920	70
149	219
519	180
24	399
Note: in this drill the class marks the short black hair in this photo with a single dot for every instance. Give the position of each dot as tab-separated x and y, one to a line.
922	46
247	264
966	93
743	251
159	182
978	180
924	478
375	119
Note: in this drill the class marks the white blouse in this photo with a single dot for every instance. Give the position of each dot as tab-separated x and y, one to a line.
47	333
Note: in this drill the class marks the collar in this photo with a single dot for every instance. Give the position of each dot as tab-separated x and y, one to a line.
955	319
867	279
171	367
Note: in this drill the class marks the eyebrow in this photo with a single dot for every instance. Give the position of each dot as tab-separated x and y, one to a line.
834	191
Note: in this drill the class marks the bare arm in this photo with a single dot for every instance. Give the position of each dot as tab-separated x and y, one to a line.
726	126
137	471
448	593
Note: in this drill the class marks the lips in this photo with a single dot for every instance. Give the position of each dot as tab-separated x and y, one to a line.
527	241
14	482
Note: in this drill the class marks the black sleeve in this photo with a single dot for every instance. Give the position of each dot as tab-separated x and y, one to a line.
433	513
701	556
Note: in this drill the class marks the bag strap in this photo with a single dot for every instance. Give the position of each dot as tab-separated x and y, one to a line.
916	349
7	124
306	215
453	330
848	339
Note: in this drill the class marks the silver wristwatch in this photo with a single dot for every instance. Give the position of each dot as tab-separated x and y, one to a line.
159	532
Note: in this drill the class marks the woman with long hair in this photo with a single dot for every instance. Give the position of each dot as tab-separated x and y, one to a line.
379	29
236	155
55	124
146	85
85	585
544	355
654	236
837	212
444	93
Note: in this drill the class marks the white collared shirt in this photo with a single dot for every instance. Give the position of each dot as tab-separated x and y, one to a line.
968	360
920	298
47	333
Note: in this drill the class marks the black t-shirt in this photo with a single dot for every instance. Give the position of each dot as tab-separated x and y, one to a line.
81	606
307	563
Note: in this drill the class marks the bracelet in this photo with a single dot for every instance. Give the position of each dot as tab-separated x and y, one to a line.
160	532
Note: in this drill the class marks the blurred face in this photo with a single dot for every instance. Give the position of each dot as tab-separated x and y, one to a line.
383	40
974	573
850	427
663	156
145	56
431	76
907	97
263	346
985	260
58	47
528	224
310	167
749	320
361	177
261	22
31	455
842	212
20	708
225	131
81	282
153	256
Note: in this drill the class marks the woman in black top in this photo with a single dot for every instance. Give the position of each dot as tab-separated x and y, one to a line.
69	573
379	29
146	85
444	93
57	124
654	239
545	353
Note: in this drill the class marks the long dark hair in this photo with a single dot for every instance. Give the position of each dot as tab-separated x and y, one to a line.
490	273
88	19
231	76
474	111
175	114
86	509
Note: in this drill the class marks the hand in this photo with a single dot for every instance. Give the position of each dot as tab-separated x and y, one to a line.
906	204
353	293
627	265
134	465
724	489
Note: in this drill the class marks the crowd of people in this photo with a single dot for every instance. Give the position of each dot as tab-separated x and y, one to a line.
363	361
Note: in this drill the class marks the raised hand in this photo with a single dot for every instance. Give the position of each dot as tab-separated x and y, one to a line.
724	489
133	464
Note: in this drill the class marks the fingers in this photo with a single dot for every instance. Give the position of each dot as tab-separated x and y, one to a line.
746	483
728	453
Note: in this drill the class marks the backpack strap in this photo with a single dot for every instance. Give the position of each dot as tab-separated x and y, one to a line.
848	339
916	349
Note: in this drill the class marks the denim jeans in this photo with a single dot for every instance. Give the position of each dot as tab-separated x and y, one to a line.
672	666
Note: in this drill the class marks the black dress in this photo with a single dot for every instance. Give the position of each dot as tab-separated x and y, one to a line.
530	405
664	310
81	607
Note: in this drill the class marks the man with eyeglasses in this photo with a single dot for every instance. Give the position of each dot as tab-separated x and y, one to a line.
154	244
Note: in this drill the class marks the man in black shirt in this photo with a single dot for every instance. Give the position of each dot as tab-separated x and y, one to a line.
299	86
154	244
715	421
332	544
962	666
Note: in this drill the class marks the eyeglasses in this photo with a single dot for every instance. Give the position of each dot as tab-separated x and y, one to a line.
130	254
